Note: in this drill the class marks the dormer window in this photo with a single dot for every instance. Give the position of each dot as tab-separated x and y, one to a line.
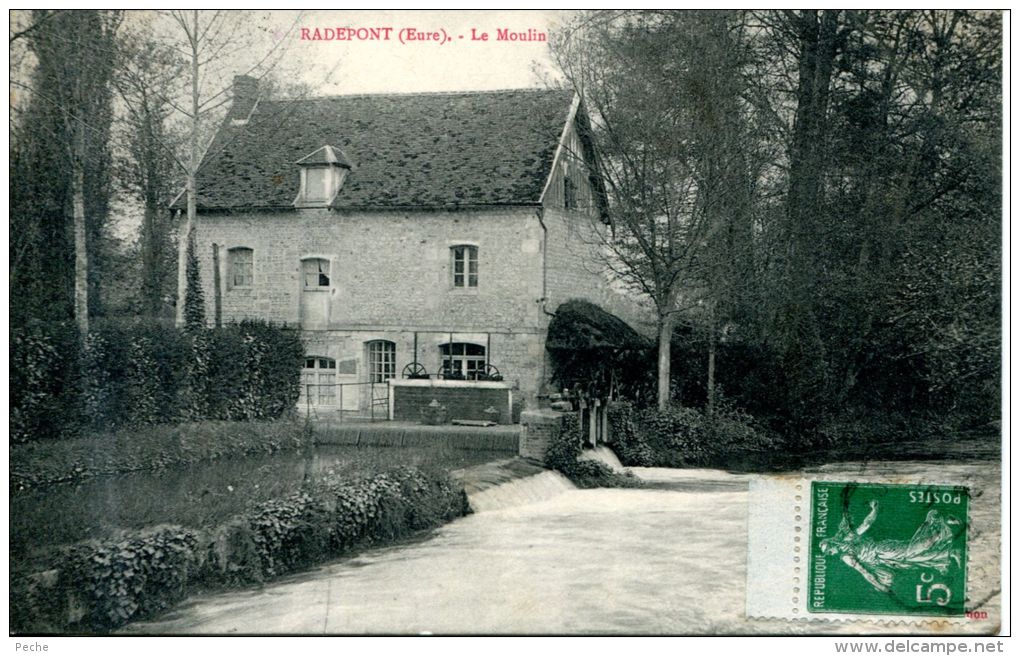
322	174
318	184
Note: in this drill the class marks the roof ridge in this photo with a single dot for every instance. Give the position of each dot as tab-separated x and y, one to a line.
477	92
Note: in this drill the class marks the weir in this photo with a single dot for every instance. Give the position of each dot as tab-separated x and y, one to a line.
509	483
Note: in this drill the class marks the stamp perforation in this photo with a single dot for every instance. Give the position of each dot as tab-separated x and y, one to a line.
794	569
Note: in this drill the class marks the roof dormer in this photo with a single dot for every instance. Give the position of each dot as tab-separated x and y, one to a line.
322	174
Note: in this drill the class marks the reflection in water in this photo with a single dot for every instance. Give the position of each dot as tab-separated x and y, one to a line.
199	495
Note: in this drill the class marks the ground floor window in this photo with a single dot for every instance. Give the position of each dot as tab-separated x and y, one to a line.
461	360
318	381
382	361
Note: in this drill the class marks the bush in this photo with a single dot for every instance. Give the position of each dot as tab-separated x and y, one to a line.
111	582
629	443
563	455
45	390
143	373
684	437
677	436
100	585
735	431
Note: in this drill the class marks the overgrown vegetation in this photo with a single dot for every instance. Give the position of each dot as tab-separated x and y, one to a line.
99	585
563	455
140	373
684	437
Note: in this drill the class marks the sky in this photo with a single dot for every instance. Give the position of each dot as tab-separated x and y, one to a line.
462	63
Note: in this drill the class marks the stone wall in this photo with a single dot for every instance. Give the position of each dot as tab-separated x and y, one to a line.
538	429
388	269
575	270
519	355
390	277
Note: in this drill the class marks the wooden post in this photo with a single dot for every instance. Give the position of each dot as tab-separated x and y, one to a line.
217	287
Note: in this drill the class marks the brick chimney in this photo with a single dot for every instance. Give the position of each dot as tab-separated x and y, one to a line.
246	93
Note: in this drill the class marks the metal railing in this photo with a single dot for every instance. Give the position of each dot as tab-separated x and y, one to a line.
378	395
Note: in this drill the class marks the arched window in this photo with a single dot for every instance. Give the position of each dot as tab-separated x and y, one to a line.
315	273
464	265
382	361
240	268
462	361
318	380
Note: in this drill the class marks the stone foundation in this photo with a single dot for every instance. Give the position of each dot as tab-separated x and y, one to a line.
538	428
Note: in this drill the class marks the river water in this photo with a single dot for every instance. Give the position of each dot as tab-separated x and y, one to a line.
668	559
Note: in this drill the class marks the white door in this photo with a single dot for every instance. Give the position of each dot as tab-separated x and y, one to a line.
318	382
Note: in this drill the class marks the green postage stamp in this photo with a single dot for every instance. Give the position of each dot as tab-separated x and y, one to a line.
862	551
887	549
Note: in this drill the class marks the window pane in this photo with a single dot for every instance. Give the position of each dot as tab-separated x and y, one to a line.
327	390
382	360
317	184
315	273
240	267
463	358
465	265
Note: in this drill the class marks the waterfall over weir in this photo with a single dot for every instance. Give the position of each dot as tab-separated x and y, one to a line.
520	491
510	483
516	482
507	484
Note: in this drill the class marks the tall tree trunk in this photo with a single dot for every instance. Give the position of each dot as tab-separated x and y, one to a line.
665	341
81	259
150	261
184	238
710	392
807	153
193	162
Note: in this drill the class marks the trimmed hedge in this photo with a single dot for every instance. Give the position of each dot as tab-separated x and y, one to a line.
98	586
147	448
148	373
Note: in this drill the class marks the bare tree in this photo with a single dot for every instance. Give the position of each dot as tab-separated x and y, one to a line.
210	44
150	164
664	113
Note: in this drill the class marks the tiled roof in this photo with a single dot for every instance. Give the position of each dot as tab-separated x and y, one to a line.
326	155
406	150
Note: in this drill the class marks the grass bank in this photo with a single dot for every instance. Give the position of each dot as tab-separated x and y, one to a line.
148	448
98	585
